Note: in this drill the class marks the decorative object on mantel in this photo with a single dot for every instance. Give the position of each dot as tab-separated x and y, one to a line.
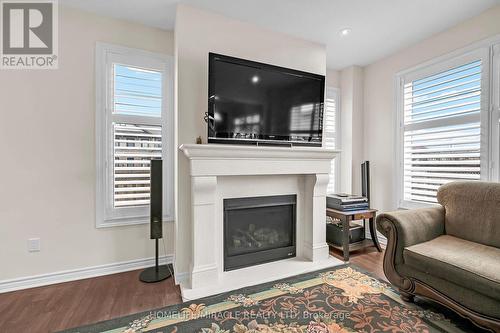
340	300
199	141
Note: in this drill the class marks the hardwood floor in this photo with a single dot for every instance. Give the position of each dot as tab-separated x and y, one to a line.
72	304
368	258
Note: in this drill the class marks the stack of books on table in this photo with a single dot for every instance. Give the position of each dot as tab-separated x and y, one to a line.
346	202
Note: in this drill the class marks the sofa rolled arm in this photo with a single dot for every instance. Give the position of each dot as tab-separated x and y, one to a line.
405	228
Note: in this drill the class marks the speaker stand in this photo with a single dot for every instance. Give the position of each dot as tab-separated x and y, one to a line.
156	273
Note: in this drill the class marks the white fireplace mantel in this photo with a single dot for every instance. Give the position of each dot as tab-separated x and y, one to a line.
208	163
256	160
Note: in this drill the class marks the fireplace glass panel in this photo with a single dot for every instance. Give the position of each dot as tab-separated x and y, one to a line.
258	230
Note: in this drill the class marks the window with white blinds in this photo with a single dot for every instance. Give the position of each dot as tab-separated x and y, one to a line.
137	92
133	129
441	130
331	133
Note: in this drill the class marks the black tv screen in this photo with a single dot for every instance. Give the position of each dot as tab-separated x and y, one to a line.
251	102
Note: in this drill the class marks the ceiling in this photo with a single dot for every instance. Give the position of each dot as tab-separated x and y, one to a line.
379	27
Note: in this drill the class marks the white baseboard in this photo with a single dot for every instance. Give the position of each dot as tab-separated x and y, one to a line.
79	273
181	278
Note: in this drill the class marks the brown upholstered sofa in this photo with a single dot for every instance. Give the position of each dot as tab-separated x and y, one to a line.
449	253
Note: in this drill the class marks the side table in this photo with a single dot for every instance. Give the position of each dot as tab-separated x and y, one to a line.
346	217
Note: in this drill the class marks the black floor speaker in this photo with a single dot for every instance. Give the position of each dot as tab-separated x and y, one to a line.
365	179
156	273
156	200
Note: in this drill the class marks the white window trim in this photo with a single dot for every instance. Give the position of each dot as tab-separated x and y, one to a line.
338	136
495	113
488	51
106	216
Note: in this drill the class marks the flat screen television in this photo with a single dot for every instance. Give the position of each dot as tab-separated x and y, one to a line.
256	103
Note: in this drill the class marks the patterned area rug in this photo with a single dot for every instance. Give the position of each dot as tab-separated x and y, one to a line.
340	299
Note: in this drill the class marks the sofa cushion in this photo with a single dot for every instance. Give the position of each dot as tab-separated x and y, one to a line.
468	264
472	211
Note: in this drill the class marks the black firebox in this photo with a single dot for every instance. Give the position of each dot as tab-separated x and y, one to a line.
259	230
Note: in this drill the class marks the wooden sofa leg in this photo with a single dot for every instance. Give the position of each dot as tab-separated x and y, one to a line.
407	297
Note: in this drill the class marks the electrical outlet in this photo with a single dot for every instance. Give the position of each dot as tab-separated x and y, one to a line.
34	245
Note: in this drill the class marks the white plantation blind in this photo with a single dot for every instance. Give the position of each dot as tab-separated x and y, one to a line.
441	130
137	91
137	103
134	147
330	133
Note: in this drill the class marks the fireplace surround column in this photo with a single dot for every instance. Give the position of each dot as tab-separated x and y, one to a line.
204	262
315	247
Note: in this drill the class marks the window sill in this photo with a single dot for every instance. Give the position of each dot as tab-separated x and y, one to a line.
122	222
415	205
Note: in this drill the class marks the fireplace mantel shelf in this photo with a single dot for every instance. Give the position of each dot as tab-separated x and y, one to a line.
232	160
220	151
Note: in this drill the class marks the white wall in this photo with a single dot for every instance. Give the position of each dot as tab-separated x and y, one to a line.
357	128
198	32
48	155
379	96
332	78
351	129
350	82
